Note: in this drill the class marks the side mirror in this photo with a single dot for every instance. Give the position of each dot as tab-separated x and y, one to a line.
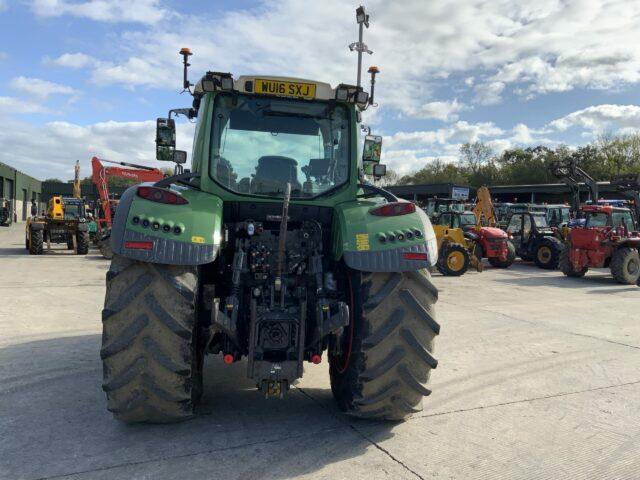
379	171
165	139
372	148
180	157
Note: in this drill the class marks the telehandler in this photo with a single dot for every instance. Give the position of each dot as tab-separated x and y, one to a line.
608	238
273	247
64	222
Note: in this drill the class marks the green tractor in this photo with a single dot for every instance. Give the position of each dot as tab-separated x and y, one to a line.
273	248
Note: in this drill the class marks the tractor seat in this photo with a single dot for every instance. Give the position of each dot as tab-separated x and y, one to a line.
273	173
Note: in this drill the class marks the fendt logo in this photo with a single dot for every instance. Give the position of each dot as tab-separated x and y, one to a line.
130	175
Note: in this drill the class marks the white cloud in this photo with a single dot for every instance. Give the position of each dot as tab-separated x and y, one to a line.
445	111
71	60
408	151
549	46
39	88
136	11
489	93
11	105
495	47
51	149
599	118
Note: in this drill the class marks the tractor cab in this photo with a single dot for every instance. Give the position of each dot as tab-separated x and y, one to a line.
73	208
436	206
466	220
607	217
534	238
557	215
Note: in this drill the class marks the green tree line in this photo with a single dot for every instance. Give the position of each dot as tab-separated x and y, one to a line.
479	165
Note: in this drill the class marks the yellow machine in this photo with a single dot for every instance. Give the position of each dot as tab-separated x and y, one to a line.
64	222
77	192
455	251
56	208
483	210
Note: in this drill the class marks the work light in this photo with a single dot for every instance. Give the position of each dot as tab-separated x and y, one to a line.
213	81
361	16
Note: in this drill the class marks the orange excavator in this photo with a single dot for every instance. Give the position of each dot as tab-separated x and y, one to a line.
100	177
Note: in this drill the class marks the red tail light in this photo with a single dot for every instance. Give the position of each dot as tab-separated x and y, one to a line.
393	209
139	245
415	256
161	195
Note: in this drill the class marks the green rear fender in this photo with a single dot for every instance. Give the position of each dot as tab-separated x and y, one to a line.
382	244
155	232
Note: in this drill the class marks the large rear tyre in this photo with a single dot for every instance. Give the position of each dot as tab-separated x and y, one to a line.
567	267
547	254
36	242
82	242
453	260
625	266
151	352
104	245
386	352
511	257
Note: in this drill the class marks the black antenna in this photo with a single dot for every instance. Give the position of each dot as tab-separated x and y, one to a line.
373	71
363	21
186	53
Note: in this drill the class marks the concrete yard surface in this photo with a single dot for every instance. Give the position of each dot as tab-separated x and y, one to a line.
538	377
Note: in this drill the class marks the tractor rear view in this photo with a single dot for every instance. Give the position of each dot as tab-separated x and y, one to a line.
281	254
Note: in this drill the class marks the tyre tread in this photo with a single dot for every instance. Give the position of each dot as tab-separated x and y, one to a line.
147	343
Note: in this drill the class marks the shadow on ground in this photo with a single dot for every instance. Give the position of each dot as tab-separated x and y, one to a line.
12	251
559	280
54	422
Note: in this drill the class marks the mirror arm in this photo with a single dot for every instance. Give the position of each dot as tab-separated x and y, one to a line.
180	178
373	191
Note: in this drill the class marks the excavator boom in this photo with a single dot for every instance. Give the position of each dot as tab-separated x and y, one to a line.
100	177
484	208
77	192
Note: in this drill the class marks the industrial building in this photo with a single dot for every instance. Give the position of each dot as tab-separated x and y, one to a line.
542	193
19	189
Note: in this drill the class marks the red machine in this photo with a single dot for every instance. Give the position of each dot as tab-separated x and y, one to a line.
100	177
607	239
493	242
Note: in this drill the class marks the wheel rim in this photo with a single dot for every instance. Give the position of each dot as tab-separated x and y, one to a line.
633	267
342	362
455	261
544	254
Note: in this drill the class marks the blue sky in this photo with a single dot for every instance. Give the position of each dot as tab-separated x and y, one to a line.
88	77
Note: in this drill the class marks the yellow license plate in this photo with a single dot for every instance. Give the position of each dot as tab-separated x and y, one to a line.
285	89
